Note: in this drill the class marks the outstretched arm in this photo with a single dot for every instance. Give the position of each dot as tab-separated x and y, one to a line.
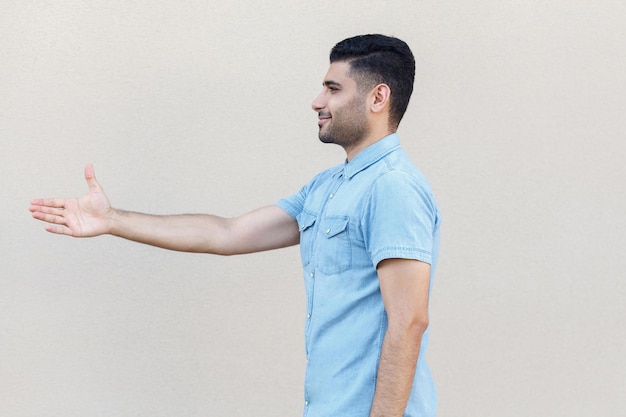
92	215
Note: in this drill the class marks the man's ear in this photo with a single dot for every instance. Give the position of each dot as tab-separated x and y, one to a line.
381	95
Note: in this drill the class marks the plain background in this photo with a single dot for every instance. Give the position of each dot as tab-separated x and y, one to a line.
518	119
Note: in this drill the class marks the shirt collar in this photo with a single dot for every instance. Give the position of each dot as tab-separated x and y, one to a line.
369	155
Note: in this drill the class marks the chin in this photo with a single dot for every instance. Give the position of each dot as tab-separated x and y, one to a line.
325	138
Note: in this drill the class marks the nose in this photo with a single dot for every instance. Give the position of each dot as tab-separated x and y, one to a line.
318	102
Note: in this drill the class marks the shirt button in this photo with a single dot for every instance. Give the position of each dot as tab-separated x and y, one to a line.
332	195
306	403
327	231
308	316
312	274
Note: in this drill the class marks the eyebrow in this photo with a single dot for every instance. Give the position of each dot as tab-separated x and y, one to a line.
331	83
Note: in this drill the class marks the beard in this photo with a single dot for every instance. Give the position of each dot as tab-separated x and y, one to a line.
348	125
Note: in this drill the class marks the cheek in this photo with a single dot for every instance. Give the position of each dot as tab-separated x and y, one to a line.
335	108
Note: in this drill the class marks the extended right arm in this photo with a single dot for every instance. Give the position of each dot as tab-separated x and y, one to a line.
265	228
92	215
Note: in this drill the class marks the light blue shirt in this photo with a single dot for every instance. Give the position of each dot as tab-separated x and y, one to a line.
351	217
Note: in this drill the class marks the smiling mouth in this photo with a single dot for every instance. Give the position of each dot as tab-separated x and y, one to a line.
322	119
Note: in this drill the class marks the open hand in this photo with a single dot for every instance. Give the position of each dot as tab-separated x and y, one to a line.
87	216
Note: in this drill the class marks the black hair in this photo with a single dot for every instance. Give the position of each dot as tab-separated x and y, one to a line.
376	59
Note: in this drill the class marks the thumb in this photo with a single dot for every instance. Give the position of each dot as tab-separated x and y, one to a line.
90	177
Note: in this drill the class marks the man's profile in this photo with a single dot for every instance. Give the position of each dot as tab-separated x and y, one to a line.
368	231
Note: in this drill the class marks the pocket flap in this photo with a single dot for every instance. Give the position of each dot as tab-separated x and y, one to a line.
332	226
305	220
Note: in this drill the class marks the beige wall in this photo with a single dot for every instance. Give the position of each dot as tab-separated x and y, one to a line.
518	120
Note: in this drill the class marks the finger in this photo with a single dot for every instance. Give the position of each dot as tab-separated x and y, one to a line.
59	230
46	210
48	202
90	177
48	218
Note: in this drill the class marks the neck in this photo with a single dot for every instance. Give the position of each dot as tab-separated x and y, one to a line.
374	136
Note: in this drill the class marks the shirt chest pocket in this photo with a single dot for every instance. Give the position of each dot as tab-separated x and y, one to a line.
333	251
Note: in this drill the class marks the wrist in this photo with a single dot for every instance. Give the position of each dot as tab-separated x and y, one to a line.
113	221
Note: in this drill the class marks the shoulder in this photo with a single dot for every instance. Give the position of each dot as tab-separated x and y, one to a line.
400	190
397	172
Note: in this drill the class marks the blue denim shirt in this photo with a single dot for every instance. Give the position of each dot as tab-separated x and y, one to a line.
351	217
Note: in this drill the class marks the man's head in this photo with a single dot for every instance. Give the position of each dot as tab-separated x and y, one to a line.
379	59
365	91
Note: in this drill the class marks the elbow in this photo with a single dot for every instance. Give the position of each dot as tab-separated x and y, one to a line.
418	325
410	328
220	240
220	250
224	252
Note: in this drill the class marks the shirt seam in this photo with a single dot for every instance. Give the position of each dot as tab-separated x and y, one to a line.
400	252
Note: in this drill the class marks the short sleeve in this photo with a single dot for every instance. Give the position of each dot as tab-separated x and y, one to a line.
400	218
294	204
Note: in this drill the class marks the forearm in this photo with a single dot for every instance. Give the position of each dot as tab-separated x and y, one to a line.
396	371
185	232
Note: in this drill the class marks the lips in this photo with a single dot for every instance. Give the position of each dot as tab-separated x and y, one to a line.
323	118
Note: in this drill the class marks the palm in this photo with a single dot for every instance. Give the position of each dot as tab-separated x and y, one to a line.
84	217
